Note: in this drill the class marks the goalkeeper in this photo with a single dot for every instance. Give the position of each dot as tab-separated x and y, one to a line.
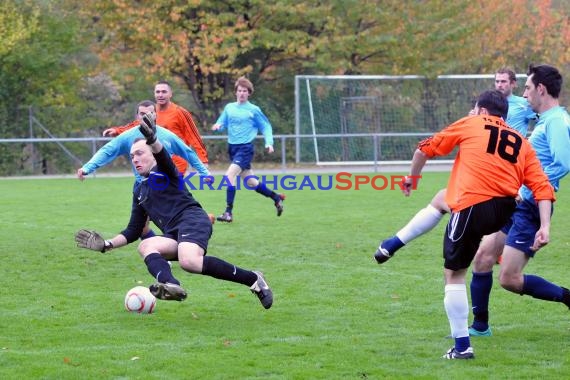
185	225
121	145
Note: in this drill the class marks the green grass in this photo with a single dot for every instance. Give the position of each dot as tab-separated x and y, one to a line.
336	315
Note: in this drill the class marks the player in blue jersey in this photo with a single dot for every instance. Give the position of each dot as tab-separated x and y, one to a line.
121	145
243	120
185	225
519	116
551	141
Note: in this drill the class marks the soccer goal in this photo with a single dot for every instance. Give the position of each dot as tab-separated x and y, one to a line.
376	119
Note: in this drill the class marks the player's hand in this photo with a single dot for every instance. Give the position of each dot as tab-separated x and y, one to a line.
541	238
269	149
91	240
110	132
148	127
81	174
216	127
407	186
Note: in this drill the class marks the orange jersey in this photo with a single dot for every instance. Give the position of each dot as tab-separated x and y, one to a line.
124	128
493	160
179	121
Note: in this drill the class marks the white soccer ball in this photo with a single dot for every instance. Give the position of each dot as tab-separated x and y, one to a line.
140	300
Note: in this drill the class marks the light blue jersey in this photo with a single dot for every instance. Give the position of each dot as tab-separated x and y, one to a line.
243	122
519	114
551	141
121	145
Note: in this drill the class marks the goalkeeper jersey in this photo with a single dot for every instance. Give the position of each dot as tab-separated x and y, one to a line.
493	161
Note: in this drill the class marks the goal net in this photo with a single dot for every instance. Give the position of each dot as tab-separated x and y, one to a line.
376	119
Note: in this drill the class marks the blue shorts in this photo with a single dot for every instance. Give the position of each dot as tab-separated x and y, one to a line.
241	155
193	225
522	227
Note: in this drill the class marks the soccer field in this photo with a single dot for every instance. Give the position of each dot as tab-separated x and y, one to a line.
336	313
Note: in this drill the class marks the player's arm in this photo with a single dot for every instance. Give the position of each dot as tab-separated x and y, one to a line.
116	131
418	162
559	142
192	136
264	126
178	147
542	236
103	156
163	159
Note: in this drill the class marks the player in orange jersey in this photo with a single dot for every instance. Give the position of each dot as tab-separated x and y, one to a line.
493	162
174	118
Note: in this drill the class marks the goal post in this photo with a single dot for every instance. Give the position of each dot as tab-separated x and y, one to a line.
365	119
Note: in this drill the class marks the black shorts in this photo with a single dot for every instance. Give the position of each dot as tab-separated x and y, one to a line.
467	227
193	226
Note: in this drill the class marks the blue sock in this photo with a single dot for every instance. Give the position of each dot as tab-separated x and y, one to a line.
262	189
538	287
481	285
463	343
149	234
230	197
159	268
392	244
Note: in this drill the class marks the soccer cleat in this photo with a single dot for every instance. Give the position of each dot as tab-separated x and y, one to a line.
382	255
168	291
262	291
279	204
225	217
475	332
452	353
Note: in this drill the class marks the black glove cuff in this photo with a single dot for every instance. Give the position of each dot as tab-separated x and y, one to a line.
151	140
108	245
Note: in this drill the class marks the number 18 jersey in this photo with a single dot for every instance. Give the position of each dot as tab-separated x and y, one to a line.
493	161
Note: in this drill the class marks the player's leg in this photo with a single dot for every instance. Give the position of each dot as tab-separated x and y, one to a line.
261	188
156	251
517	252
231	176
193	260
514	280
424	221
490	248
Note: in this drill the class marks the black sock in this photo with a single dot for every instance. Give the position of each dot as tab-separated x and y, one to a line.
159	268
565	296
220	269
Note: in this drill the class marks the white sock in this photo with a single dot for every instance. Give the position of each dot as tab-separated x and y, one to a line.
424	221
457	309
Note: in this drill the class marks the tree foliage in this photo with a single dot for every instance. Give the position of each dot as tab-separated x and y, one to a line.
206	44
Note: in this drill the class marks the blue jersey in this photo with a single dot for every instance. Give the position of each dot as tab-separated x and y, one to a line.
121	145
551	141
519	114
243	122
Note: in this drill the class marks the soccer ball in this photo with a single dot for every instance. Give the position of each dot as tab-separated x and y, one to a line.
140	300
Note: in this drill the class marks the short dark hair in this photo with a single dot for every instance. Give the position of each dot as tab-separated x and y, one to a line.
144	103
162	81
495	102
549	76
506	70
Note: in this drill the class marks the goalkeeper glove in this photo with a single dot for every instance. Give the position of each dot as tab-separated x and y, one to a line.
92	240
148	127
